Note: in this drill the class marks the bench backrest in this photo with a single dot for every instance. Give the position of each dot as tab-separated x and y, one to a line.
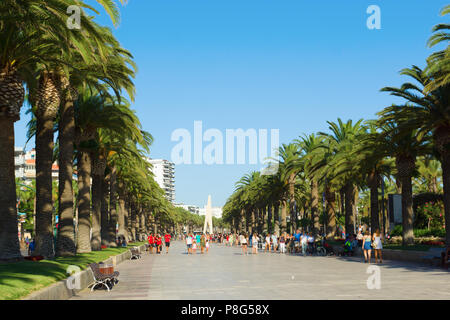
95	270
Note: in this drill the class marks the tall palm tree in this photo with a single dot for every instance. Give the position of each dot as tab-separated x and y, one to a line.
438	68
32	33
343	139
424	116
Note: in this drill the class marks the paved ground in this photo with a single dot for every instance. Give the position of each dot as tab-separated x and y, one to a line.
224	273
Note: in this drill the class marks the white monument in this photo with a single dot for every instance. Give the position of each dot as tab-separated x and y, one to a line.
208	217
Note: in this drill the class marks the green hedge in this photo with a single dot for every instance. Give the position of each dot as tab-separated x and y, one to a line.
436	232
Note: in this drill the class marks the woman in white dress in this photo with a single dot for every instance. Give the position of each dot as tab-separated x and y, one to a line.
377	245
255	240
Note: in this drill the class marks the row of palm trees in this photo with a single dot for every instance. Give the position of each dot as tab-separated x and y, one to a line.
354	156
74	81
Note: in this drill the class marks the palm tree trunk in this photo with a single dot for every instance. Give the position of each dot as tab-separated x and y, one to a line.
138	223
122	212
330	198
113	209
349	200
65	244
104	210
283	217
144	222
405	167
97	181
374	182
44	202
442	139
243	221
84	202
315	207
276	218
133	221
9	241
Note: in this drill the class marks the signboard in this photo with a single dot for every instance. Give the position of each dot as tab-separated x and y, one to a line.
395	209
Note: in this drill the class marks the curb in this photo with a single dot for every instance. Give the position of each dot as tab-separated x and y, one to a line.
398	255
60	291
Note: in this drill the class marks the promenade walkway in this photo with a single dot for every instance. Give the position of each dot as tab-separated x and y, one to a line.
224	273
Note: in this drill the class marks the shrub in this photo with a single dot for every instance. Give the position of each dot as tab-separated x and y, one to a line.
434	232
397	231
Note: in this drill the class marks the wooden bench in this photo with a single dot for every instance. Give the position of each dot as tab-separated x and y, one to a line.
445	257
108	280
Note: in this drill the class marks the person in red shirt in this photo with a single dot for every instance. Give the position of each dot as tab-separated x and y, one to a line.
151	241
158	244
167	238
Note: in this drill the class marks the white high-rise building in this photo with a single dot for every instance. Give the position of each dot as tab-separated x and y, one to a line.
164	175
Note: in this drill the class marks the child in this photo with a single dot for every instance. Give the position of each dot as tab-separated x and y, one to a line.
194	245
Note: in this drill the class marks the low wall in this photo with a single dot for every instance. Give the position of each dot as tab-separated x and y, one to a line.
400	255
60	290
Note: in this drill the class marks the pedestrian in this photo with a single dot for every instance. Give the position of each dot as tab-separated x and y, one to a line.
283	243
31	247
255	240
244	241
189	243
207	244
297	236
202	243
367	247
274	242
304	243
267	243
167	238
159	244
194	244
377	246
311	243
151	240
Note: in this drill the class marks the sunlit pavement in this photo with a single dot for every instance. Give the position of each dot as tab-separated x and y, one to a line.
224	273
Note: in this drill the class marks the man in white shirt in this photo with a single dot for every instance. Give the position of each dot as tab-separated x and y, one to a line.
304	242
274	242
189	243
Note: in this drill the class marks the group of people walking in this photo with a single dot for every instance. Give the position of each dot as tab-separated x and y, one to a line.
193	242
155	242
285	243
304	242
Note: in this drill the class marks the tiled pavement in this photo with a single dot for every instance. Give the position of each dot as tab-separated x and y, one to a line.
224	273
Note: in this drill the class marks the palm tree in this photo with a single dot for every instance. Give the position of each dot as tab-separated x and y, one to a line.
343	140
438	68
24	27
424	116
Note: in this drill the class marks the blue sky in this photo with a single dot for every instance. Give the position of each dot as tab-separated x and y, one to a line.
290	65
